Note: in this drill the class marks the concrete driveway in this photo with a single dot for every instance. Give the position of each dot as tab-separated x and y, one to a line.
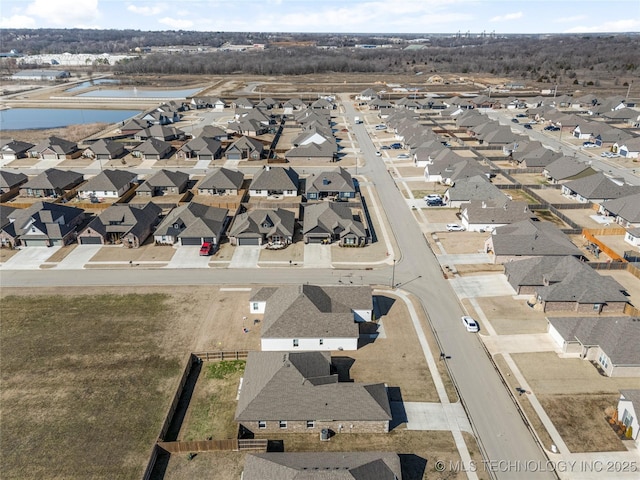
430	416
29	258
78	257
463	258
188	257
317	256
245	256
482	286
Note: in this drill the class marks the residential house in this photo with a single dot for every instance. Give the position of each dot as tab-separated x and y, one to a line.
632	236
474	188
133	126
293	105
242	103
210	131
367	95
55	148
164	182
527	239
630	148
192	224
485	216
43	224
274	181
322	465
310	317
336	184
250	127
160	132
153	149
201	148
257	227
323	104
611	343
329	222
121	223
629	413
566	284
268	103
10	181
597	188
221	181
565	169
105	149
51	183
108	184
245	148
314	399
15	149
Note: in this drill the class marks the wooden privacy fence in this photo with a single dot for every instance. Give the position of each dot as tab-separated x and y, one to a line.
228	445
220	356
603	248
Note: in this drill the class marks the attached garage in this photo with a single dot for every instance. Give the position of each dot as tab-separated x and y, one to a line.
190	241
35	242
316	239
248	241
90	240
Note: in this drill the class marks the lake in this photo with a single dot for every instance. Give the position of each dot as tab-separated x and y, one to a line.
37	118
92	83
138	93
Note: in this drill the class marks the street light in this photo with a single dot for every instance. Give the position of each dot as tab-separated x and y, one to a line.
393	274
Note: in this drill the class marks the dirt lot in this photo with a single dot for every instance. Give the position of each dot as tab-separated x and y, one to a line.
463	242
84	393
512	317
73	133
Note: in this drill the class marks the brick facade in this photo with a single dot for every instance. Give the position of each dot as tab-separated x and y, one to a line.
300	426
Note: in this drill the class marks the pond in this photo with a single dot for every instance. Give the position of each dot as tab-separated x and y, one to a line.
139	93
38	118
92	83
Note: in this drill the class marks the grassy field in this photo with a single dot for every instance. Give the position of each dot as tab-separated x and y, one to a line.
84	389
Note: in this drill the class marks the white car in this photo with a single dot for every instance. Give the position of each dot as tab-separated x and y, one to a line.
470	324
378	154
454	227
432	196
403	156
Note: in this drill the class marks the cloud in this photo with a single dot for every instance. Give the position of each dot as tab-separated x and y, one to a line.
147	11
507	17
176	23
17	21
627	25
575	18
64	13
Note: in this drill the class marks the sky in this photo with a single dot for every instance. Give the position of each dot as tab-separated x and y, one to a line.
338	16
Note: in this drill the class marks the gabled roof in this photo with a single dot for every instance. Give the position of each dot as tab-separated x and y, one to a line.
52	219
618	337
53	178
9	180
260	222
106	147
311	311
202	146
313	150
299	386
531	238
568	167
165	178
194	220
275	178
16	146
125	219
475	188
56	144
627	207
222	178
153	146
600	186
247	143
331	218
322	465
108	180
336	181
209	131
483	212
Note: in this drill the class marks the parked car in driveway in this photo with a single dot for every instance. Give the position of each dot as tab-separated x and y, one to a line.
403	156
589	145
454	227
435	202
396	146
527	126
206	249
431	196
384	147
515	120
470	324
521	115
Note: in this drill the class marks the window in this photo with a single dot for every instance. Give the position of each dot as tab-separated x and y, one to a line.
254	306
311	423
596	307
321	341
258	192
603	360
296	342
282	424
262	424
627	418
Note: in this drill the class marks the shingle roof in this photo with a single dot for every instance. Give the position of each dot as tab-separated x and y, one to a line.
299	386
194	220
9	180
310	311
634	397
627	207
336	181
528	238
568	167
331	218
16	146
107	147
263	222
108	180
53	178
482	212
618	337
599	186
222	178
153	146
322	465
475	188
165	178
58	145
124	219
50	218
202	146
275	178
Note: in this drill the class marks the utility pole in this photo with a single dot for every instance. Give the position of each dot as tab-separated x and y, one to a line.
393	274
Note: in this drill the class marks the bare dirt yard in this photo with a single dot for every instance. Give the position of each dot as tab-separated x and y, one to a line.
87	377
512	317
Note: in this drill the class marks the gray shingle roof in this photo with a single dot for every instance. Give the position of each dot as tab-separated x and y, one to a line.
124	219
336	181
299	386
568	167
322	465
310	311
275	178
263	222
529	238
482	212
50	218
634	397
202	146
618	337
331	218
627	207
165	178
56	144
17	146
153	146
599	186
108	180
8	180
107	147
474	188
53	178
222	178
194	220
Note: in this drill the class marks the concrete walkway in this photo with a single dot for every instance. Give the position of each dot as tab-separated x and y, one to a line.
529	343
29	258
451	414
482	286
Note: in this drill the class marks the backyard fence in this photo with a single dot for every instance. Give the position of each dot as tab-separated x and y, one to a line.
228	445
220	356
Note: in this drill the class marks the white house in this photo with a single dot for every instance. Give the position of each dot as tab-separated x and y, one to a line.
628	411
632	237
108	184
310	317
272	181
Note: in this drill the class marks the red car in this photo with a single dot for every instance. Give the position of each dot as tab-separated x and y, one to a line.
206	248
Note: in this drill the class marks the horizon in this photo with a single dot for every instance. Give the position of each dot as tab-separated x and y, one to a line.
366	17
